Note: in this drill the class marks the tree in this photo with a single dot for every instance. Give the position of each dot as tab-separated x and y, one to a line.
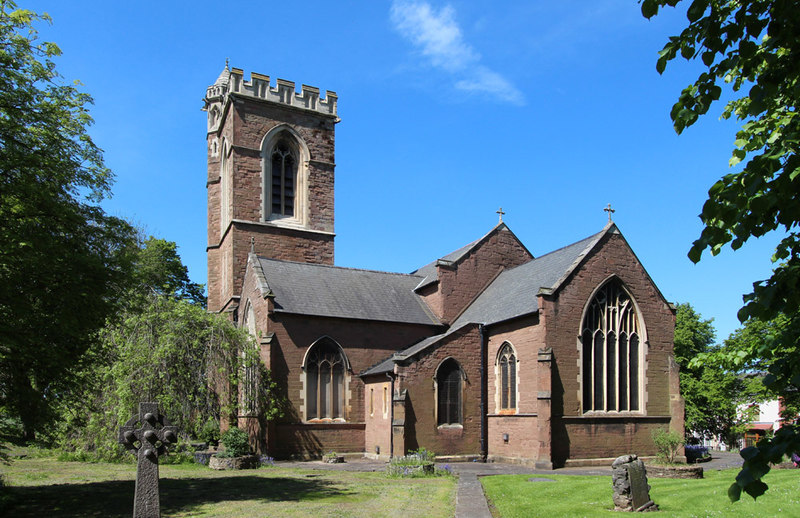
712	394
753	47
62	258
158	270
164	347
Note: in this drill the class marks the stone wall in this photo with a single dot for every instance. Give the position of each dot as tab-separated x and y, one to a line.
577	436
365	343
462	281
421	428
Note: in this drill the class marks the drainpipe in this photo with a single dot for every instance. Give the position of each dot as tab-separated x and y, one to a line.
484	424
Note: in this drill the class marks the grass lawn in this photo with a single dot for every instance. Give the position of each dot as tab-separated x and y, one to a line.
514	496
44	487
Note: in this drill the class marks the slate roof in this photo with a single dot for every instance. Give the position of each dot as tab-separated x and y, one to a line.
430	273
512	294
331	291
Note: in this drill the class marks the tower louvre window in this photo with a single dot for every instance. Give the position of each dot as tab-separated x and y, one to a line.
284	180
610	342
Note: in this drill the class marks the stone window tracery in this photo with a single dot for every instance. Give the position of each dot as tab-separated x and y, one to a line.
325	381
284	180
507	378
611	348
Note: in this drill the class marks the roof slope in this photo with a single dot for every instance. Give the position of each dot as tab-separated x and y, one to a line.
331	291
513	292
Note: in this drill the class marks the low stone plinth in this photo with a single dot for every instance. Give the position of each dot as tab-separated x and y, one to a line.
677	471
246	462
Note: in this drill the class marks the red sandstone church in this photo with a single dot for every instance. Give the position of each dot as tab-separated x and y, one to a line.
489	352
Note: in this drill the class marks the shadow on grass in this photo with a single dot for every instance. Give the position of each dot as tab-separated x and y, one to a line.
115	498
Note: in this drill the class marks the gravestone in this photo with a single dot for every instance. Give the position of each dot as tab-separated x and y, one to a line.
147	436
629	479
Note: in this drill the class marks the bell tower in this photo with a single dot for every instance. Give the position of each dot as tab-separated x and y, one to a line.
270	177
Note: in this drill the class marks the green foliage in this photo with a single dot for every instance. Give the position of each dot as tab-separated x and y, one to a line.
667	443
63	259
752	48
210	432
169	351
712	392
158	269
236	442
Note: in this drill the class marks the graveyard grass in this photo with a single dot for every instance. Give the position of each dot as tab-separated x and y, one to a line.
47	487
513	496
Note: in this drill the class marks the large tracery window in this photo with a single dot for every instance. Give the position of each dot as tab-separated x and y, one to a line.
325	376
611	348
284	180
448	392
507	378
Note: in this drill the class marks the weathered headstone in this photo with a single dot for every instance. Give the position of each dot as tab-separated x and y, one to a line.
629	479
147	436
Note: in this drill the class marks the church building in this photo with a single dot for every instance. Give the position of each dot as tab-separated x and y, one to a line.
489	353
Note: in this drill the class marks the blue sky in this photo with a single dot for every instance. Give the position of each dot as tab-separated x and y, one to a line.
449	110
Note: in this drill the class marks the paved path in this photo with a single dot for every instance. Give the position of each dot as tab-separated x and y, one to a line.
470	500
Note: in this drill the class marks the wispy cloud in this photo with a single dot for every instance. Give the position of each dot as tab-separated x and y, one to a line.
439	38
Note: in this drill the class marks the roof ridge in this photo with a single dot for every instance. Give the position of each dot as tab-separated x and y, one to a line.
333	266
569	245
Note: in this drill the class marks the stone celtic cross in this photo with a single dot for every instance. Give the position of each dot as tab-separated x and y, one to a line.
147	436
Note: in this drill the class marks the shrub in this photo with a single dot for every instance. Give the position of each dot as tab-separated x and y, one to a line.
695	452
667	444
417	463
236	441
210	432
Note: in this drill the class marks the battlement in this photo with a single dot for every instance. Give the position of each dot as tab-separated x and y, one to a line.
232	82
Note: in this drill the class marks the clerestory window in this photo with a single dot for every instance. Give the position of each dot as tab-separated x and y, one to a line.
448	392
611	347
325	377
507	378
284	180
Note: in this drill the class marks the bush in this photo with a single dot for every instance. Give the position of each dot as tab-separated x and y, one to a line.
210	432
236	442
694	452
667	443
417	463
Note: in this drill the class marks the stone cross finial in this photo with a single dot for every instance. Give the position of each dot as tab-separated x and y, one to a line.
147	441
610	211
252	245
500	212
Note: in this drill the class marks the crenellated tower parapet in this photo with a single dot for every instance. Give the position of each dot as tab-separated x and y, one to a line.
231	82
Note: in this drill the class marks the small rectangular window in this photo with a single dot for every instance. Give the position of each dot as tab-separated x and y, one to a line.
371	402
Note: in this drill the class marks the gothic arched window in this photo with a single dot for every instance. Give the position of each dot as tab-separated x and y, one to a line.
611	343
448	392
283	170
325	377
507	377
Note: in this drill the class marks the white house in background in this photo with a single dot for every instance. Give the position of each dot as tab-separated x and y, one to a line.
766	418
